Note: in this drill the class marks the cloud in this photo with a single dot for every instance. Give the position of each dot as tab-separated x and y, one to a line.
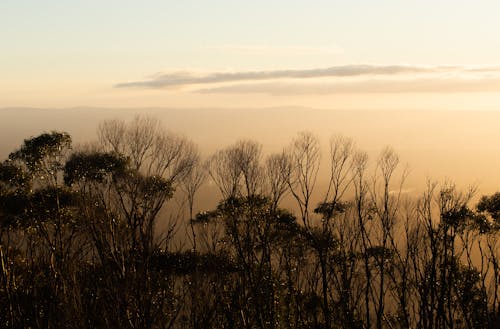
437	85
177	79
286	50
332	80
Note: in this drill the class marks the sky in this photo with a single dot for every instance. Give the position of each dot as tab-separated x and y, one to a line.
383	54
420	76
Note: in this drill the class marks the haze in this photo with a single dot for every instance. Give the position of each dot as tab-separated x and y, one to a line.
458	146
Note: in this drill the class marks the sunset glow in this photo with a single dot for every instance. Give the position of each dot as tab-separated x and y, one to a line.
355	55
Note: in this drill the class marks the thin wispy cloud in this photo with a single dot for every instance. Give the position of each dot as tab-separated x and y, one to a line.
336	79
278	50
448	85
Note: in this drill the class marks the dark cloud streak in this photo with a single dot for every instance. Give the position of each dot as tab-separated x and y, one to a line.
185	78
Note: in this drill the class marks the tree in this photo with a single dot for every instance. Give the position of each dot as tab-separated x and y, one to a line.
89	252
236	170
191	184
150	150
277	170
305	158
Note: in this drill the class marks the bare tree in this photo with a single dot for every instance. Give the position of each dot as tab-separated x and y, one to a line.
326	239
341	164
172	157
225	173
385	207
363	217
191	184
236	170
150	149
305	157
112	135
277	172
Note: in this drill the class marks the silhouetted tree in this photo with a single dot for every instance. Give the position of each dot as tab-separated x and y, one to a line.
80	244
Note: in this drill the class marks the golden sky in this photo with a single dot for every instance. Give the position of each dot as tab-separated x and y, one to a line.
324	54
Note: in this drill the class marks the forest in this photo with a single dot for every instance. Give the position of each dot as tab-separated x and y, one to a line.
108	235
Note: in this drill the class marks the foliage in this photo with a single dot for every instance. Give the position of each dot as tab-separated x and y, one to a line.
92	166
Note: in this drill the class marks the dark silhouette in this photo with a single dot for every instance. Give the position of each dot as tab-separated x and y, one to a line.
81	247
